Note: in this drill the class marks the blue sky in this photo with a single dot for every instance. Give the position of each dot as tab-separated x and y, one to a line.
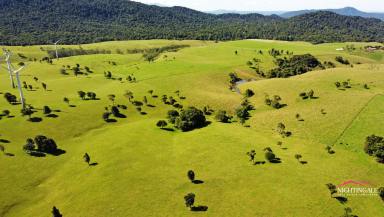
271	5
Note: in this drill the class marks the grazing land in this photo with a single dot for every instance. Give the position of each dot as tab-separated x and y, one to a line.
139	169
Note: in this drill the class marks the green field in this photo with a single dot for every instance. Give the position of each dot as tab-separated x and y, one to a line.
142	169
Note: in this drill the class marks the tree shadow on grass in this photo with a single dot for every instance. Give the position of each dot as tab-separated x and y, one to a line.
304	162
259	163
120	115
72	106
199	208
9	154
143	113
168	129
342	200
58	152
4	141
94	164
35	119
275	161
197	182
152	106
111	120
52	116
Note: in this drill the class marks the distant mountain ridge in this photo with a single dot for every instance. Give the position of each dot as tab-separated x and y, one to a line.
347	11
26	22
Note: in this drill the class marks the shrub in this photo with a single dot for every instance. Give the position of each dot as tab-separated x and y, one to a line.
374	146
161	124
249	93
81	94
341	60
270	156
172	115
222	116
47	110
46	145
190	119
11	99
381	193
191	175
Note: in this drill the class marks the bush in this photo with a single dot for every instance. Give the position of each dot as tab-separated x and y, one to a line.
381	193
249	93
45	144
222	116
161	124
270	156
341	60
172	115
46	110
374	146
190	119
11	99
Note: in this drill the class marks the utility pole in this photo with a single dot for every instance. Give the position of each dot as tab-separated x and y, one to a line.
57	55
17	73
9	67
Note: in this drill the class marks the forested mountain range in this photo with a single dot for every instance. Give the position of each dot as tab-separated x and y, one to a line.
25	22
347	11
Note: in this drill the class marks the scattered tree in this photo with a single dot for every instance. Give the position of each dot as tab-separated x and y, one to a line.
161	124
87	158
189	200
191	175
56	212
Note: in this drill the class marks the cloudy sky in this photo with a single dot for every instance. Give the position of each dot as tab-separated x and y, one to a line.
270	5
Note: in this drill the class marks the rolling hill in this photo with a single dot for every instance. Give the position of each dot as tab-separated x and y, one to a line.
138	169
82	21
347	11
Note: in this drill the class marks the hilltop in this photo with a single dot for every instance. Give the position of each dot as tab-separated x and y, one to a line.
83	21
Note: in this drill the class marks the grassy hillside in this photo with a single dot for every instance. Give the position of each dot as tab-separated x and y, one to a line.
142	169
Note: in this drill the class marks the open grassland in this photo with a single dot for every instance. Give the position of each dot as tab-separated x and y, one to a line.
142	170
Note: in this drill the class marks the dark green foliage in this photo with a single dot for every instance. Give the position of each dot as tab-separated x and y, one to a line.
270	156
332	188
47	110
56	212
374	146
44	85
295	65
341	60
45	144
305	95
152	53
172	115
82	21
82	94
87	158
67	52
275	102
222	116
252	155
6	113
233	78
161	124
189	200
106	116
115	111
91	95
189	119
381	193
27	111
11	99
249	93
29	146
191	175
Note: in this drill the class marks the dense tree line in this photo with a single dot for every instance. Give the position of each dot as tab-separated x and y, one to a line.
82	21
